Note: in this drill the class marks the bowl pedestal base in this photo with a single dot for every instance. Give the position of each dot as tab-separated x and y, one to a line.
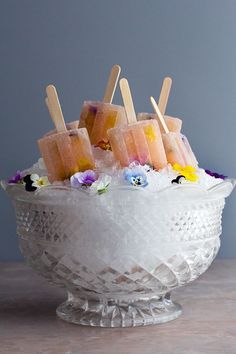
119	313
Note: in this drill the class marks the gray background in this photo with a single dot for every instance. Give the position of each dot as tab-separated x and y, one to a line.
73	44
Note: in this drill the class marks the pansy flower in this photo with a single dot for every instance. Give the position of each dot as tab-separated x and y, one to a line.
101	185
188	172
85	179
136	177
39	182
215	174
17	178
33	182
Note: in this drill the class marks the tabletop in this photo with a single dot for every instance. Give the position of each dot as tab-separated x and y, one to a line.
29	325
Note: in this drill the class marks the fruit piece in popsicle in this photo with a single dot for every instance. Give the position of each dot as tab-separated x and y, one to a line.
174	144
66	151
108	116
173	124
138	141
98	117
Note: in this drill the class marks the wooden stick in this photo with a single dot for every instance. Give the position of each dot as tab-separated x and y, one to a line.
128	102
111	84
55	107
49	109
164	95
159	115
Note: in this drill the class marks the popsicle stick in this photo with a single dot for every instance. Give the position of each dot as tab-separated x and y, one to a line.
164	95
128	102
111	84
159	115
55	107
49	109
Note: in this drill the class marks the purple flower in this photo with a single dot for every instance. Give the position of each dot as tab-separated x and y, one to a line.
85	178
16	178
215	174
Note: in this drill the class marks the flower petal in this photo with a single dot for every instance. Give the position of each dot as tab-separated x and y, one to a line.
215	174
83	178
74	181
16	178
177	167
44	180
34	177
189	169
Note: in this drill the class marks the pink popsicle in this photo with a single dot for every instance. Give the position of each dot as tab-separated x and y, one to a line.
138	141
66	151
173	124
174	144
98	117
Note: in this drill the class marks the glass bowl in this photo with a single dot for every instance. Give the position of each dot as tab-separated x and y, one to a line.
120	254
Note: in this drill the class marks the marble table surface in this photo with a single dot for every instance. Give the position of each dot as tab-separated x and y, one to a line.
28	323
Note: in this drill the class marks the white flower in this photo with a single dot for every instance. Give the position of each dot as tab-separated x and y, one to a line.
101	184
39	182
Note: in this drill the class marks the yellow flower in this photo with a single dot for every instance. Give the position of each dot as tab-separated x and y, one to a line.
188	172
149	132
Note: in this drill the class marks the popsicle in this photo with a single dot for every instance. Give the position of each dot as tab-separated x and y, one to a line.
173	124
137	141
177	151
98	117
66	151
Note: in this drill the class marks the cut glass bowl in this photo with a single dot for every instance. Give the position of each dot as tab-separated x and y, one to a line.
120	254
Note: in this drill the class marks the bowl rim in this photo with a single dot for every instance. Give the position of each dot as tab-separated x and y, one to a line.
174	193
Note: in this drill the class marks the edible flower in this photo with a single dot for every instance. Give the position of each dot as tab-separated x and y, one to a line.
17	178
188	172
136	177
101	185
39	182
104	145
85	179
215	174
33	182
